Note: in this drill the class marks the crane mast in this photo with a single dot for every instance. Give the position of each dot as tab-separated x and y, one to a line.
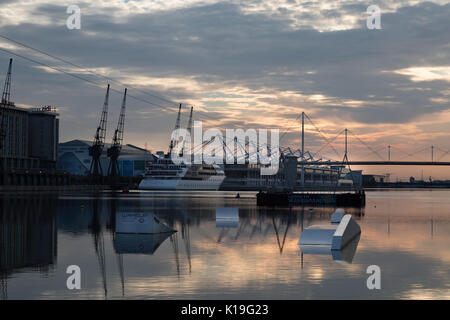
116	147
96	150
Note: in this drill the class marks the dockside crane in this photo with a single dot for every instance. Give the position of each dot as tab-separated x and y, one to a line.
189	129
114	151
189	125
4	104
173	142
96	150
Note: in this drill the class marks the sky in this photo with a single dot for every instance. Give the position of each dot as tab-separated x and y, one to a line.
245	64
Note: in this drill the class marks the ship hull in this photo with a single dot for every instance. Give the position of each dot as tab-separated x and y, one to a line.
212	183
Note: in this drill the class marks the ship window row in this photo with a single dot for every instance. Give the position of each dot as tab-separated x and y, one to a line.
163	173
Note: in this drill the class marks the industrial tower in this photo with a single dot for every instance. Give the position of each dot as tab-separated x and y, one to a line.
116	147
95	151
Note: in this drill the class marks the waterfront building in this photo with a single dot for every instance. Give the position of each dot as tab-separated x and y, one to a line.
289	176
74	158
31	137
373	179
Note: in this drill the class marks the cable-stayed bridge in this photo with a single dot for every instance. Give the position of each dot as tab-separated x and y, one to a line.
310	158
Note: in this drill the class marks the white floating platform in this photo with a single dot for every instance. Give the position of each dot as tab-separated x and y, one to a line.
318	235
140	222
227	217
336	235
346	231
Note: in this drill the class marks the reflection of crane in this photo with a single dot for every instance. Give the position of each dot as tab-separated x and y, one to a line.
99	245
241	228
95	151
4	285
187	242
119	256
281	244
174	241
223	233
121	271
114	151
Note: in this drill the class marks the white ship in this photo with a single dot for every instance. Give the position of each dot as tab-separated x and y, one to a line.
165	175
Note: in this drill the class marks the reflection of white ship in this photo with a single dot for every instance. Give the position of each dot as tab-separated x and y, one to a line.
138	243
165	175
140	222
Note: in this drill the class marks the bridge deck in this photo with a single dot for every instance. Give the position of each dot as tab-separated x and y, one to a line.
380	163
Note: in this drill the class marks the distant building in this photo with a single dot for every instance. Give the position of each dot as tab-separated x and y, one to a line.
373	179
73	157
43	135
356	177
289	175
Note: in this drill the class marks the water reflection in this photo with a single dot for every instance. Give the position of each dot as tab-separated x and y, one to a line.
28	237
139	243
256	258
345	255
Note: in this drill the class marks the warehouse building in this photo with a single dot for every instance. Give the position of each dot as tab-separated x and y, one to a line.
73	157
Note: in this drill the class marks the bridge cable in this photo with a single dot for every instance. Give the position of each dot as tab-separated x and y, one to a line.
320	132
85	69
366	145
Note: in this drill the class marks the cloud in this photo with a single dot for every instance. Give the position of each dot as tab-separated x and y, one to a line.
242	63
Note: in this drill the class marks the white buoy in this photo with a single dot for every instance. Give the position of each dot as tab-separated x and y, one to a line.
335	236
346	231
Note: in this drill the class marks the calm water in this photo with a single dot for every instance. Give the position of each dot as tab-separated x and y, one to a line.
406	233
